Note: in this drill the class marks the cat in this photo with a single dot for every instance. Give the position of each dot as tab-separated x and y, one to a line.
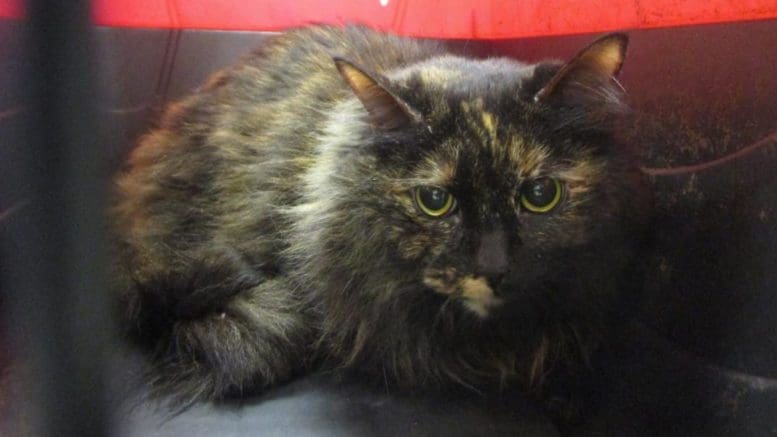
347	199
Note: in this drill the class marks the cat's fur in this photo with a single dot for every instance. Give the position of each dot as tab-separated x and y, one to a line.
268	223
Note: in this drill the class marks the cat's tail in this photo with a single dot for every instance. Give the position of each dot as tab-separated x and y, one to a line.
214	329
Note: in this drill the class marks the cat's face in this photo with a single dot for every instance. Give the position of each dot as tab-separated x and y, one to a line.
492	201
489	194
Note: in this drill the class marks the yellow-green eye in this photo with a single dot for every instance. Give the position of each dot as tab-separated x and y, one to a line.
433	201
541	195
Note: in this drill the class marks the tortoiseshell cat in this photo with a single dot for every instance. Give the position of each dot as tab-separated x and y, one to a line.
348	199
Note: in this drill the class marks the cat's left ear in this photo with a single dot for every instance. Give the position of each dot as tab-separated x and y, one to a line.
590	76
385	110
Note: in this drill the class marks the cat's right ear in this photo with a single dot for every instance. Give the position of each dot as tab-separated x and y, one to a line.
385	110
588	81
599	62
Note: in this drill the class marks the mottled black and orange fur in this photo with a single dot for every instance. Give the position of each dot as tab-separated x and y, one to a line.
267	224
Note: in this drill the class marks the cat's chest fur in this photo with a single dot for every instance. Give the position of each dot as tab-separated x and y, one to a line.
351	199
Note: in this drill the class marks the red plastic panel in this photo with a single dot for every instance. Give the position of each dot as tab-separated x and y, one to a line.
11	9
485	19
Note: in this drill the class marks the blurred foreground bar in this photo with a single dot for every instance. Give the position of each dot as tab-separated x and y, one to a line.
53	253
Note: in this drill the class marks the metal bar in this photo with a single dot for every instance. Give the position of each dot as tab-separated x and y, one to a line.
53	249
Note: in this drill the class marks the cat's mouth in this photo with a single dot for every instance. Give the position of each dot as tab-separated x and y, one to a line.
476	292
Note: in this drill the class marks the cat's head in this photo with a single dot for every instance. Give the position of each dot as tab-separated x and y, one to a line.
488	181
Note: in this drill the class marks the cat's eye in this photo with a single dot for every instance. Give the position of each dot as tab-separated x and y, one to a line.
541	195
434	201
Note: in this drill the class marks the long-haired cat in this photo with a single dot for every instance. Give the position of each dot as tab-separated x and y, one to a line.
348	199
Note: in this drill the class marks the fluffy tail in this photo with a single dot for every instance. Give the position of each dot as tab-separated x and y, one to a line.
215	329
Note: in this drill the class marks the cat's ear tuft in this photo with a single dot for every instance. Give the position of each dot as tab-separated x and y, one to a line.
590	75
385	110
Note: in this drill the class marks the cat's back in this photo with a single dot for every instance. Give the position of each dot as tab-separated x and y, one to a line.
240	142
277	97
297	67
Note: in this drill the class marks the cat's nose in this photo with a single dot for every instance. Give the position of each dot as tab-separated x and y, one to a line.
491	257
